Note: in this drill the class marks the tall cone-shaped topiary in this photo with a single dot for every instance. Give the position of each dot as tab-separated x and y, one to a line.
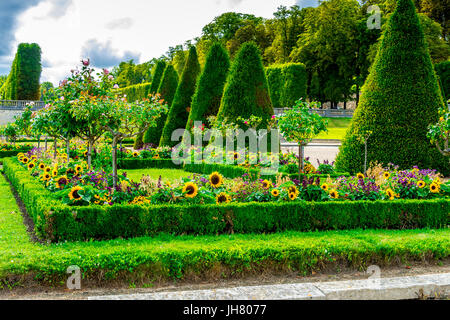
157	76
246	92
207	97
400	98
167	89
181	105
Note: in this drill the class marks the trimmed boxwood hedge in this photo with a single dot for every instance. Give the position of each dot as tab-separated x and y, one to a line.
13	153
56	222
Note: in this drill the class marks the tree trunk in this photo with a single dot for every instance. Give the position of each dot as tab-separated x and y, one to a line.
89	153
114	162
301	164
68	149
46	144
54	148
39	142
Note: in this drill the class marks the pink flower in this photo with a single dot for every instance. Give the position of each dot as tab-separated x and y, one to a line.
273	117
245	122
62	98
105	71
86	62
110	77
116	86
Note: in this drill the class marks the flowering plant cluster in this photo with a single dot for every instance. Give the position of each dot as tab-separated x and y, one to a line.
14	147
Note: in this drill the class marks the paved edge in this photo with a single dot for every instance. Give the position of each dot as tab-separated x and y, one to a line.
400	288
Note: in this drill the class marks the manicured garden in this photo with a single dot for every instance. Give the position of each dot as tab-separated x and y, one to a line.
222	200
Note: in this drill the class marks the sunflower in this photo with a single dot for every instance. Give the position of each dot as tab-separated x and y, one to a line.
275	193
85	154
334	194
293	189
390	193
78	168
190	189
34	157
25	160
223	198
435	188
31	165
156	156
236	156
135	154
74	194
61	182
266	184
215	179
293	196
54	172
360	176
421	184
47	169
324	187
41	166
386	175
46	176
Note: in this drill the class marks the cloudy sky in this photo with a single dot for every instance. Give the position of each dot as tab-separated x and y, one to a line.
110	31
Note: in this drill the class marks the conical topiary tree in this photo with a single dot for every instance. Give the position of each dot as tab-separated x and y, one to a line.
157	76
400	98
167	89
179	111
207	97
246	92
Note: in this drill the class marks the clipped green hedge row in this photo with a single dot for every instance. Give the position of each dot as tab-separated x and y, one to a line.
57	222
287	84
136	92
13	153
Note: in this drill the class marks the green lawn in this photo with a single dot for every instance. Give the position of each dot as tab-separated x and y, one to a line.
168	175
169	257
337	127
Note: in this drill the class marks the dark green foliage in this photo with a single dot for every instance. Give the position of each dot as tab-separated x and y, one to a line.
276	83
443	71
207	97
28	71
179	111
295	79
157	76
287	84
246	92
167	89
56	222
399	100
136	92
23	80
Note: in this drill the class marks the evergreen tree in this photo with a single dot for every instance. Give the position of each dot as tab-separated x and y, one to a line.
246	92
207	97
157	76
167	89
179	111
399	99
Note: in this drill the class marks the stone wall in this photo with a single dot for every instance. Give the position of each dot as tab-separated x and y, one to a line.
7	116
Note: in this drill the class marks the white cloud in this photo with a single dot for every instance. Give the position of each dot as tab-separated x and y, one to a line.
151	26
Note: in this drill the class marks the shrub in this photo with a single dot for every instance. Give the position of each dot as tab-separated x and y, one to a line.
443	71
157	76
206	100
136	92
276	83
399	99
179	111
246	92
294	80
167	89
23	80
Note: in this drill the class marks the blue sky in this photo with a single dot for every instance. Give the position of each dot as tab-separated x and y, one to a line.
110	31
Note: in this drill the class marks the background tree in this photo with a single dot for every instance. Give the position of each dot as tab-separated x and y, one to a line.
179	111
166	90
157	76
400	98
246	92
209	91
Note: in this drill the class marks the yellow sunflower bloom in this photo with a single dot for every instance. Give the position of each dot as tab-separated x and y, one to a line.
216	180
334	194
74	194
223	198
275	193
421	184
435	188
190	189
324	187
267	184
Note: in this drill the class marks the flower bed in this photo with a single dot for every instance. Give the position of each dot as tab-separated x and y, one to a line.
9	150
56	221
